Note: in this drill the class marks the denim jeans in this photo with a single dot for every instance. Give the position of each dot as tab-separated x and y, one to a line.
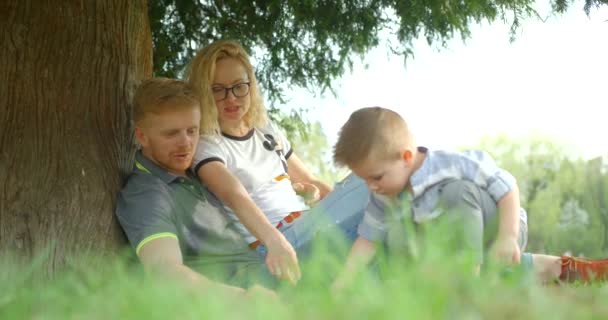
339	212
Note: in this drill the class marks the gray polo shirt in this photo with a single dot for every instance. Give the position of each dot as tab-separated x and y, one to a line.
155	204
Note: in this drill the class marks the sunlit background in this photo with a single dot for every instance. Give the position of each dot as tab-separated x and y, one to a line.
551	81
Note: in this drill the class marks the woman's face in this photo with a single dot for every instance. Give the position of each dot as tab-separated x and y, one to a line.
230	78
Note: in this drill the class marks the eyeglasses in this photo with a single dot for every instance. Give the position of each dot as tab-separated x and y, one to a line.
238	90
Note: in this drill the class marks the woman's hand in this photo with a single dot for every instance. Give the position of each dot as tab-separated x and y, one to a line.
308	191
281	259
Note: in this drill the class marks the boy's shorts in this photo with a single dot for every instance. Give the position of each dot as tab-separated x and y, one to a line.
478	211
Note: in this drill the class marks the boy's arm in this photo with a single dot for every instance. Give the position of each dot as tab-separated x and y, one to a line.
502	186
281	259
360	254
506	247
164	255
299	173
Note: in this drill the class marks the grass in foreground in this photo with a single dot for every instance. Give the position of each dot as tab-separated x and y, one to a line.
433	287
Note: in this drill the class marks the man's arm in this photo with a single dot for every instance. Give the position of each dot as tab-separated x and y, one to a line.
164	255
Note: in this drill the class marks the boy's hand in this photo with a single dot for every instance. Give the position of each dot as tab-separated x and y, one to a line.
506	250
337	287
308	191
259	291
282	261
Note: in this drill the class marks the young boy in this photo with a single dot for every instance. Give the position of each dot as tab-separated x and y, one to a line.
377	145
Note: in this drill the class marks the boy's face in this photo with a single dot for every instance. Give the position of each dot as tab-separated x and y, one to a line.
385	177
170	137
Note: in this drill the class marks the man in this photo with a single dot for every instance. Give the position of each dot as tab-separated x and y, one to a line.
174	224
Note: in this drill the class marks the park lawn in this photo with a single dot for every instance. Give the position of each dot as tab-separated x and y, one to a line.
429	288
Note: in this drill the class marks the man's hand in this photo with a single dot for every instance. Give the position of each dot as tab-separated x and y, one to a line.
506	250
308	191
282	261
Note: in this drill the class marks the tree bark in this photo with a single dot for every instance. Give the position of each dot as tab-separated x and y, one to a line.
68	70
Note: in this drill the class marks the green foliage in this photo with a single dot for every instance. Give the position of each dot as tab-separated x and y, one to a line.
310	43
565	197
312	147
297	42
310	144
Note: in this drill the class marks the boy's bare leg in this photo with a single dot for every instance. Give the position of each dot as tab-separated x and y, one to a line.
569	269
546	268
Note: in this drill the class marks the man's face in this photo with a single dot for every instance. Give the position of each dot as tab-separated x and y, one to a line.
169	138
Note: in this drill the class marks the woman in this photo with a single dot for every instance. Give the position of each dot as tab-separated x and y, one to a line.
248	163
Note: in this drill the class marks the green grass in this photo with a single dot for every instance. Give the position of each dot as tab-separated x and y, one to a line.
430	287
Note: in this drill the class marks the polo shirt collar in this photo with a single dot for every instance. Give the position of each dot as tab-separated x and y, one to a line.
417	178
144	165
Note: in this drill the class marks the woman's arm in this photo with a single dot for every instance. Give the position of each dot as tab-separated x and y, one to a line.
281	258
299	173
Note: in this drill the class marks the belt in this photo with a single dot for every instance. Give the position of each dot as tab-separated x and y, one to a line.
287	220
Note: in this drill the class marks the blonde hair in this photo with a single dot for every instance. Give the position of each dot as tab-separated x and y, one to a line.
156	95
201	73
372	133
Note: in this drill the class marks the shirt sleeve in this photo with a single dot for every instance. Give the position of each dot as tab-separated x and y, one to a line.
209	149
480	167
373	226
145	211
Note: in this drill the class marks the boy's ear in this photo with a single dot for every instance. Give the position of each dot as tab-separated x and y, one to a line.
407	155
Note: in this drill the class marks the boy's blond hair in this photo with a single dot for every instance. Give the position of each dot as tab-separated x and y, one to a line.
372	133
156	95
201	73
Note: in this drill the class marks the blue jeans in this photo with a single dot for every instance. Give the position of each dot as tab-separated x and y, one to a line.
340	211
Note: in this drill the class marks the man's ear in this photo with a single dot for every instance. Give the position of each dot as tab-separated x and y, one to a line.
140	136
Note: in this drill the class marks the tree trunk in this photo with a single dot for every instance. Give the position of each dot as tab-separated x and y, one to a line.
67	74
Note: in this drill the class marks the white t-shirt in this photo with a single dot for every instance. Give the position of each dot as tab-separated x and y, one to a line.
259	161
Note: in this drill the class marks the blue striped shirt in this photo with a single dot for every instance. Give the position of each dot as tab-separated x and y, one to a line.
439	166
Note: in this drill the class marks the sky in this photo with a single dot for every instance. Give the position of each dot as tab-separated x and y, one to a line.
551	81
